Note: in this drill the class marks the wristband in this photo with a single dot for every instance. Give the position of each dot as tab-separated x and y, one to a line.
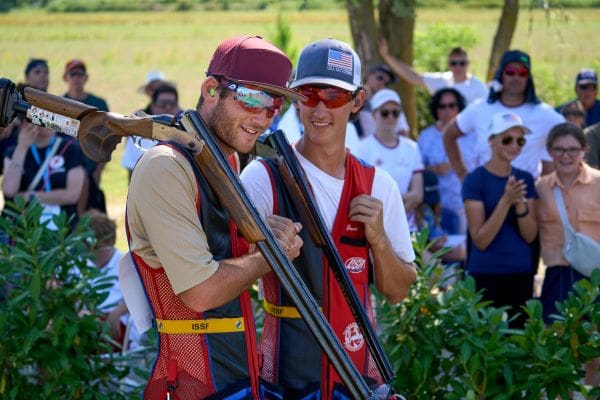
524	213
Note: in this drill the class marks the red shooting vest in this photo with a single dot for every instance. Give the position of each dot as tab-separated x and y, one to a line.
200	365
281	365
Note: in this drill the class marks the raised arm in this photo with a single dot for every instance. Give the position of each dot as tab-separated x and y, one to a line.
451	135
402	69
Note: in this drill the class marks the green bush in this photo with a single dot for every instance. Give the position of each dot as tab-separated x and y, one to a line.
451	345
53	344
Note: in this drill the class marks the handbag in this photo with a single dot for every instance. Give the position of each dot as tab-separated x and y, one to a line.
581	251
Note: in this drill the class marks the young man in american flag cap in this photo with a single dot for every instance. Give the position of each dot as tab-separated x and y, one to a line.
362	209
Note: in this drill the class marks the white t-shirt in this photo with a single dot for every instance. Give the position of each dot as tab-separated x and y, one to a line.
471	88
401	161
292	127
368	123
540	118
328	191
133	152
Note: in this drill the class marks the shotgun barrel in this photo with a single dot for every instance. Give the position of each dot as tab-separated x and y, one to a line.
230	192
299	189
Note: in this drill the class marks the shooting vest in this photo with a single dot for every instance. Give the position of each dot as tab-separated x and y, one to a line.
291	357
204	355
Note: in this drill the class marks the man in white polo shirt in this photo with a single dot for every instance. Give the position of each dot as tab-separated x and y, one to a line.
514	92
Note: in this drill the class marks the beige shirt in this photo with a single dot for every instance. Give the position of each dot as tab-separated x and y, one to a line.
163	219
582	201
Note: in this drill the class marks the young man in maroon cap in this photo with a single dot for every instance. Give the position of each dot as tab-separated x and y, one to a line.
186	250
363	210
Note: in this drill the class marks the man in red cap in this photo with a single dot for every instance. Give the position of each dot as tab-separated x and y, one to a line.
76	77
186	250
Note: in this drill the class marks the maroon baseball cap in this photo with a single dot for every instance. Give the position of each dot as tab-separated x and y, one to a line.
73	64
254	61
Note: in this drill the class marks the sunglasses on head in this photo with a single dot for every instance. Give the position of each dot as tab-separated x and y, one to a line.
507	140
255	100
443	106
521	71
332	97
386	113
456	63
587	86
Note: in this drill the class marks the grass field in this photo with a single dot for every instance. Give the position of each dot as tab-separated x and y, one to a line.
120	48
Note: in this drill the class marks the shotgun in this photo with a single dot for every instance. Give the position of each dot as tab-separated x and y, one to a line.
99	132
299	190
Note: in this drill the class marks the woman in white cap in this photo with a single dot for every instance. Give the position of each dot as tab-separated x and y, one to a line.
500	206
394	153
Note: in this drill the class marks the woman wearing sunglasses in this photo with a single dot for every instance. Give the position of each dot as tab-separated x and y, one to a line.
394	153
500	206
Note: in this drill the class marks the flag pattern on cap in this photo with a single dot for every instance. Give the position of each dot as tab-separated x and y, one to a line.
339	61
511	118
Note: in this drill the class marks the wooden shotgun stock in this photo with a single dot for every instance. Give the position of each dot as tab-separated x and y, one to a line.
99	132
298	187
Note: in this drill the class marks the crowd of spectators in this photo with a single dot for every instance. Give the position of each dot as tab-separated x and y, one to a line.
490	162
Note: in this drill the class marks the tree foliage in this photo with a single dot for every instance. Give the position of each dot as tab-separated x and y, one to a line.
53	345
451	345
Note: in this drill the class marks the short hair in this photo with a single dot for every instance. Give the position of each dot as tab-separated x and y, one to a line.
574	107
565	129
104	228
164	88
437	98
457	51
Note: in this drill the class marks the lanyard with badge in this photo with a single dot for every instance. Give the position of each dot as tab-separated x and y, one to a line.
49	210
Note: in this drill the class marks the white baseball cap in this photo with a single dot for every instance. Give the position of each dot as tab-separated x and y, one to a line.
503	121
384	96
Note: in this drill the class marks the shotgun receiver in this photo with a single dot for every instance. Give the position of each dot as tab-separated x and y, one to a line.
99	132
298	187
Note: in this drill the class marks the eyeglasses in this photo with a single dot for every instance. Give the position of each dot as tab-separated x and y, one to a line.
521	71
571	151
382	78
386	113
165	103
507	141
332	97
587	86
457	63
77	74
443	106
255	100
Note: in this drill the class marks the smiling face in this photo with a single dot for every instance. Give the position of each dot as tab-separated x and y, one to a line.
507	145
567	154
236	128
323	125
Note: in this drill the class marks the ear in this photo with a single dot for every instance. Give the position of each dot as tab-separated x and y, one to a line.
210	90
359	101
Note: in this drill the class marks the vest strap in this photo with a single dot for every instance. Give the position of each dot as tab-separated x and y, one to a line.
282	311
200	326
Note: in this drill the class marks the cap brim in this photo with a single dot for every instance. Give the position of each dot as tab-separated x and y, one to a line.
525	130
319	80
290	94
142	88
586	81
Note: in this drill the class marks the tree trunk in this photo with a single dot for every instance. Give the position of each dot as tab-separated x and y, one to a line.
397	25
364	31
504	35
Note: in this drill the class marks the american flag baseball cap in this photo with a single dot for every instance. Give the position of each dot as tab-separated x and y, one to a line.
328	62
